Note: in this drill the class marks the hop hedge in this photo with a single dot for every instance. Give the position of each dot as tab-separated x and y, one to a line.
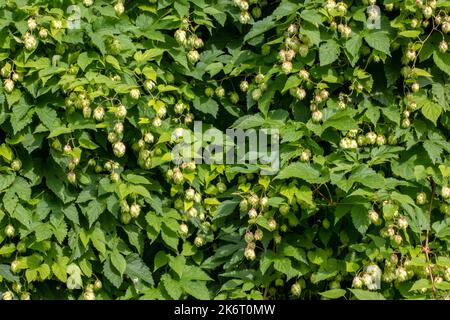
93	207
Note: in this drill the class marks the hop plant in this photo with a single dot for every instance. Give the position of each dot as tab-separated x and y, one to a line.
243	86
357	282
31	24
7	295
181	36
135	94
119	8
296	289
305	155
253	200
184	229
135	210
374	216
10	231
421	198
179	107
259	235
149	85
121	112
252	213
119	149
244	17
272	224
199	241
317	116
249	254
193	56
445	192
243	205
286	67
402	223
304	74
8	85
57	24
29	42
256	94
220	92
99	113
72	177
178	176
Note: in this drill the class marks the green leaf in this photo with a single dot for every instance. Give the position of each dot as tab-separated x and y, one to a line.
136	268
98	239
195	273
118	261
378	40
260	27
284	266
206	105
5	272
87	144
6	181
421	284
6	152
49	117
248	121
266	261
433	150
71	213
138	190
367	295
93	211
373	113
177	264
410	33
169	237
59	131
43	231
21	188
197	289
182	7
172	287
333	294
391	113
353	45
431	110
304	194
442	61
113	61
59	268
111	274
440	95
311	31
421	73
22	215
84	60
161	259
7	249
311	16
300	170
328	52
136	179
360	218
285	8
226	208
294	252
341	122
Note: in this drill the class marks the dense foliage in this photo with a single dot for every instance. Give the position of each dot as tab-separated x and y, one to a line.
92	207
